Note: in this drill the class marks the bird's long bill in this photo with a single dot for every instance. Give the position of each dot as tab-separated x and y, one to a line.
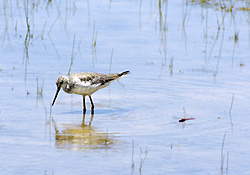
57	92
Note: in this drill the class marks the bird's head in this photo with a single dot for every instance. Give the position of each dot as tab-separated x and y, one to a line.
60	83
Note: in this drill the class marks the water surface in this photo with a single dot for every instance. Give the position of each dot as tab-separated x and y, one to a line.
187	59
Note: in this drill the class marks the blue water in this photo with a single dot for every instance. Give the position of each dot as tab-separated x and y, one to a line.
136	118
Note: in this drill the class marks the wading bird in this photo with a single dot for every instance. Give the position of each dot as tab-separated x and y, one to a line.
85	84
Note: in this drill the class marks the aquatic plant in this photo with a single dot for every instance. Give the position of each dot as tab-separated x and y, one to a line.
223	155
39	88
143	158
227	6
111	60
72	55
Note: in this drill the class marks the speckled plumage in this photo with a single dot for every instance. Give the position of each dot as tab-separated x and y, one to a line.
85	84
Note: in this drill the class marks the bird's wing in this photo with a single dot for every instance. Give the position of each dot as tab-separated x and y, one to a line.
95	79
103	79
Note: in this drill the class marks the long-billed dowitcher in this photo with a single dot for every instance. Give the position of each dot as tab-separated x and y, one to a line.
85	84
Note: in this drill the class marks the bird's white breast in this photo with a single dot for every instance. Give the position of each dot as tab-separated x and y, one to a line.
84	88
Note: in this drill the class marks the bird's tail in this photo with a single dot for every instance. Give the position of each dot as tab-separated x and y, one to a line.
123	73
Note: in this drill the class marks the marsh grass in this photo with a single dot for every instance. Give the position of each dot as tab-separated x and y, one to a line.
222	41
132	159
59	13
54	46
236	36
94	37
223	156
220	26
184	21
227	162
52	43
27	37
111	57
230	112
94	40
231	106
224	8
72	55
39	88
143	158
222	153
163	29
6	7
41	35
171	65
79	47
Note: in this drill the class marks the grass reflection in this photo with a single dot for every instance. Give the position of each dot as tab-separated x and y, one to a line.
82	137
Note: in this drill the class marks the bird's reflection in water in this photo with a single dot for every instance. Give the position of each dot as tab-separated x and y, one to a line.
82	137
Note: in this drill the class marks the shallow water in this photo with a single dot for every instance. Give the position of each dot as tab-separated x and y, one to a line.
135	128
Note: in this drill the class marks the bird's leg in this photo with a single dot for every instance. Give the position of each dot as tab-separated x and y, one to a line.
92	105
83	119
83	103
91	119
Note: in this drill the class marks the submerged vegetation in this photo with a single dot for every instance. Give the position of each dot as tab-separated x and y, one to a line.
225	5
